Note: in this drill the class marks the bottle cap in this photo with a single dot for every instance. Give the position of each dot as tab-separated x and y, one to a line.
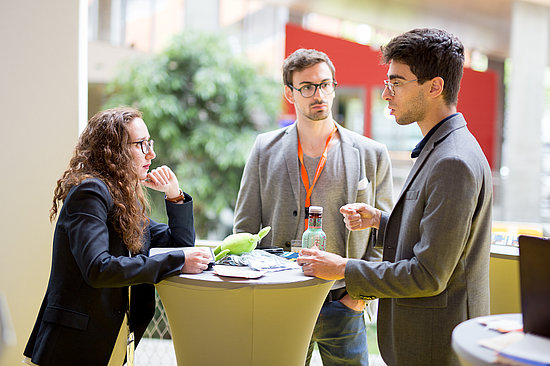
315	209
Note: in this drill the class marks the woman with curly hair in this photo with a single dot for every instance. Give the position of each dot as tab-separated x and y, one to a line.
100	292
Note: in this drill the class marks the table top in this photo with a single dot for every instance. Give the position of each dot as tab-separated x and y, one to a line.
295	277
284	278
467	334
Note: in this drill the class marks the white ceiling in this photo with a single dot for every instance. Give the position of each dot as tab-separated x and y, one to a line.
482	25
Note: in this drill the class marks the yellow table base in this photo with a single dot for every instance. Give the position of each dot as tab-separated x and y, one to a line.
224	321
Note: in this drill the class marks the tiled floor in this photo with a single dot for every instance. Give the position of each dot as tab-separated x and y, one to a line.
155	352
158	352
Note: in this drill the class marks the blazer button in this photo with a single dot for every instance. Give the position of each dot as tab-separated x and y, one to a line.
295	213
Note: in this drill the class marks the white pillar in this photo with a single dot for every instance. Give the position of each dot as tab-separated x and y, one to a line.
42	98
525	105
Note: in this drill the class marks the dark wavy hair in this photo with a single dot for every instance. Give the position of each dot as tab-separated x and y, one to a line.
103	152
430	52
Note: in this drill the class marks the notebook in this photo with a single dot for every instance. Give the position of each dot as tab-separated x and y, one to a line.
534	274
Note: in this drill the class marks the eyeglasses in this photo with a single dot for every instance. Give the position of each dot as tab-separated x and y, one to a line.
146	145
391	86
309	90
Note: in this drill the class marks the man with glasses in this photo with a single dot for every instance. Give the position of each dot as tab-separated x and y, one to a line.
435	270
316	161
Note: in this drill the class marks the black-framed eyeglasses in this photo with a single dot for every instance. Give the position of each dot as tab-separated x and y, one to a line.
146	145
309	90
392	85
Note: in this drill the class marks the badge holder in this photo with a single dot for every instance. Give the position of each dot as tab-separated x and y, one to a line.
130	341
130	346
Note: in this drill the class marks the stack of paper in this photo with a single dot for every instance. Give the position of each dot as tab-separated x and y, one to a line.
500	324
518	348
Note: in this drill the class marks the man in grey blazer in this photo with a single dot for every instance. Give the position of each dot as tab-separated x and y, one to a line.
435	268
272	192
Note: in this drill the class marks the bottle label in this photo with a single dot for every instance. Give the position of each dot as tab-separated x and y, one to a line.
315	222
320	242
314	237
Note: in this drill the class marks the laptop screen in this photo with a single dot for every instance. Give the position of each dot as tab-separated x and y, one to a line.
534	271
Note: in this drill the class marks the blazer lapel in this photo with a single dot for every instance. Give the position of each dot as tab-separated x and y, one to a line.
352	172
441	133
352	166
290	152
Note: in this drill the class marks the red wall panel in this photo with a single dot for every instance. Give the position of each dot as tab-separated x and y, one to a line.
359	66
477	101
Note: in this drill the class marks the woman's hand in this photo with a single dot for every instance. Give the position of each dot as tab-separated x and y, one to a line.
196	260
164	180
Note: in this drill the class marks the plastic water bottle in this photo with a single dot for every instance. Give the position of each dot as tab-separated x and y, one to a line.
314	235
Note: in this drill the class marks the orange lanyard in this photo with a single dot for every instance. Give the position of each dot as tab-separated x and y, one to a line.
320	166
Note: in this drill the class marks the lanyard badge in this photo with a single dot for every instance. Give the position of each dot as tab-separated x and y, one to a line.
130	342
320	166
130	346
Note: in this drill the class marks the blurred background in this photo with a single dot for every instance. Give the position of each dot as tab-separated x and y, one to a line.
183	83
207	75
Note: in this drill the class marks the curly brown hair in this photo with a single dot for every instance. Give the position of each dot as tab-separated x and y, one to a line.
103	152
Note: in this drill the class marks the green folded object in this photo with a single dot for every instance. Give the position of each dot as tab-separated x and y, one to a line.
239	243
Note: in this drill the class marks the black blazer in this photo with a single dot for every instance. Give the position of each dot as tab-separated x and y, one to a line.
87	294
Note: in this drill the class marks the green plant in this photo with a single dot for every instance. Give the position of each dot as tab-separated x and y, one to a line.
203	106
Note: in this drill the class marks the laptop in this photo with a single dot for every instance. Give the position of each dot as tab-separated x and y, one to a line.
534	275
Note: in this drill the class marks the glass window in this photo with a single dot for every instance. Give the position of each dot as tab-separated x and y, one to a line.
349	108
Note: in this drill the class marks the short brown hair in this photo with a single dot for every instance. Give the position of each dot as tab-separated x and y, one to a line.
301	59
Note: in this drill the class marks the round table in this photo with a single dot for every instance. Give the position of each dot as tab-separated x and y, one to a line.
466	336
230	321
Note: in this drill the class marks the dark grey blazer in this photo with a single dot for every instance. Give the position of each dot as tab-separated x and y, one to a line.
435	269
87	293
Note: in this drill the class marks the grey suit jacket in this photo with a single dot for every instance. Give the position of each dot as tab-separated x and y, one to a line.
270	186
435	270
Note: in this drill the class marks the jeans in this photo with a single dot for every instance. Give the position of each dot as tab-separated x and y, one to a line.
341	336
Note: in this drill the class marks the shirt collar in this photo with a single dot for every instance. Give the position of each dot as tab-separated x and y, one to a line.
418	148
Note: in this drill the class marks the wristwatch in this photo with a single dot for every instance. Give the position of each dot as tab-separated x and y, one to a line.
176	199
